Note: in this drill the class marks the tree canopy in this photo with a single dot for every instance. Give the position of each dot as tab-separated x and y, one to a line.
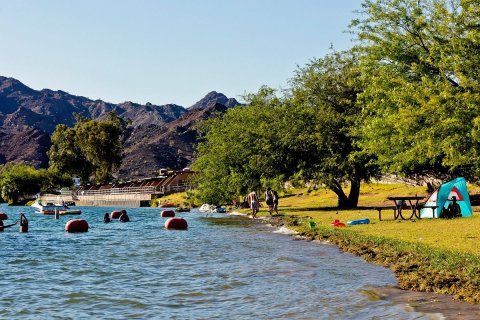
405	99
306	133
420	67
92	146
22	181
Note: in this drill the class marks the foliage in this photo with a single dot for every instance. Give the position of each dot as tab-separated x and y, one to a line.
242	151
420	67
99	142
91	146
307	133
22	181
65	154
323	139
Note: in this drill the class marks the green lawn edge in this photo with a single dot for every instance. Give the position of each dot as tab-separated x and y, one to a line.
417	267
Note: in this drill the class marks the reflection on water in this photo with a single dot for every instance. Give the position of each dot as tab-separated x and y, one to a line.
222	267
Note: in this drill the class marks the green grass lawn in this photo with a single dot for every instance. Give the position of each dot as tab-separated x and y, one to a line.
461	235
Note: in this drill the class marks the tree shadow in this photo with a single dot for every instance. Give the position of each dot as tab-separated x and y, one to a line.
326	209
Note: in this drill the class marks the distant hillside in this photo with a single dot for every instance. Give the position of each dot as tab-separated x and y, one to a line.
158	136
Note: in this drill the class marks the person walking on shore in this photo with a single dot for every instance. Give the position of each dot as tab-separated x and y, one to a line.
254	204
269	199
275	201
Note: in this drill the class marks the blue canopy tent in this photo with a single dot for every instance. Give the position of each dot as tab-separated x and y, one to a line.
443	196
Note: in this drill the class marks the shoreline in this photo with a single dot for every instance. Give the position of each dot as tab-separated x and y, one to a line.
443	294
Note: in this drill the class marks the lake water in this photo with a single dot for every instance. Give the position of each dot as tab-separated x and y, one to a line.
223	267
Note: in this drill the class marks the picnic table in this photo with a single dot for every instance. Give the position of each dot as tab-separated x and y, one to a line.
401	204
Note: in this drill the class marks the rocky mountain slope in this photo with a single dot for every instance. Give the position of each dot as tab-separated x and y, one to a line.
158	136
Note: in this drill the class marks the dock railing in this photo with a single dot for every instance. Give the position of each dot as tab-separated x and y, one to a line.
129	190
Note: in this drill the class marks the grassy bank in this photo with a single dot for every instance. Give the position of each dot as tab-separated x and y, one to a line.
430	255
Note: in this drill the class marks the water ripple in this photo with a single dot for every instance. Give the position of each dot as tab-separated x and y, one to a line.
222	267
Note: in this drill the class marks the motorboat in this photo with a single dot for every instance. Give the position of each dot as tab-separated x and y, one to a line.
207	208
220	210
50	208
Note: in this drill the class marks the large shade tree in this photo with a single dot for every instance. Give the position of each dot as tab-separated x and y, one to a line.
66	156
421	67
240	149
324	141
307	133
92	146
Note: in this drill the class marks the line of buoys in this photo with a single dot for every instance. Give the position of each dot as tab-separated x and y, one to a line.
3	216
167	214
76	225
115	214
176	224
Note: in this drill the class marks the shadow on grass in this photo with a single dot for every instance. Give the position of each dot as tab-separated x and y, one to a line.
296	209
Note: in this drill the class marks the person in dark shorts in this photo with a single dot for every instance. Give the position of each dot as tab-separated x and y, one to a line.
269	199
275	201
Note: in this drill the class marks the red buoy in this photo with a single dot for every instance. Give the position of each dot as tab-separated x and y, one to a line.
115	214
167	213
176	223
76	225
3	216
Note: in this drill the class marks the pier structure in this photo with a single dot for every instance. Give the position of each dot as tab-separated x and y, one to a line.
126	194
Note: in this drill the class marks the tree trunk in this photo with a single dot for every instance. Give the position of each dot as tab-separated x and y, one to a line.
354	193
342	197
351	201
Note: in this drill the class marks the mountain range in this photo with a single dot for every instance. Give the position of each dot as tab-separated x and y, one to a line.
157	136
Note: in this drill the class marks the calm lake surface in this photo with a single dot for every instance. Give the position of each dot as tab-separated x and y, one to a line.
223	267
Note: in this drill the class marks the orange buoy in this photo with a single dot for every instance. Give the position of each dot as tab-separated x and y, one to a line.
167	213
176	223
115	214
76	225
3	216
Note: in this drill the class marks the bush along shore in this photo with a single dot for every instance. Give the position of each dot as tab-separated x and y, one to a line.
418	267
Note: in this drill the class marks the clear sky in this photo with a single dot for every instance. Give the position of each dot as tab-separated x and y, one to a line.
166	51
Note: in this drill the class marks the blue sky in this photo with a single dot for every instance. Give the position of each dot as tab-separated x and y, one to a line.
163	51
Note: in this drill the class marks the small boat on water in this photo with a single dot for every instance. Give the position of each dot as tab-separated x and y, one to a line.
220	210
207	208
50	208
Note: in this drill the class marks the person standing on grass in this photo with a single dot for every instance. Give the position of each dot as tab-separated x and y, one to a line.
269	199
254	204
